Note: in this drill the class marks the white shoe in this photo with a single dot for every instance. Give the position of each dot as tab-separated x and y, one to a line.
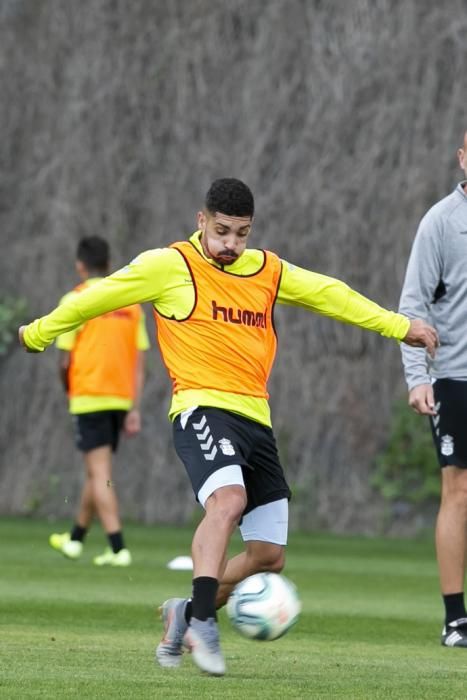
72	549
202	638
170	649
109	558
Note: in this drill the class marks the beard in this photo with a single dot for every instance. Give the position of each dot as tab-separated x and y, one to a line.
225	257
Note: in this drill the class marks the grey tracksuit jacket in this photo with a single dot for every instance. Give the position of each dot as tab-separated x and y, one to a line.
435	288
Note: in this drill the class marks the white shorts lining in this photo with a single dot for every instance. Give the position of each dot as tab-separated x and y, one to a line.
231	475
268	523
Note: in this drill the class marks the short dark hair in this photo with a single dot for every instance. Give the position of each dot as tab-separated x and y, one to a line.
230	196
94	253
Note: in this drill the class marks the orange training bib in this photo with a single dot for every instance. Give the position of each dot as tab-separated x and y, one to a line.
103	361
228	342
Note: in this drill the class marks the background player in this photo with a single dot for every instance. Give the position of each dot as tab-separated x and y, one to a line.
102	370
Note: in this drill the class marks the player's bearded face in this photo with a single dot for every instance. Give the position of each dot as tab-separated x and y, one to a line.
223	237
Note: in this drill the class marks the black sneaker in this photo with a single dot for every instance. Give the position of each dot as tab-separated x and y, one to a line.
455	634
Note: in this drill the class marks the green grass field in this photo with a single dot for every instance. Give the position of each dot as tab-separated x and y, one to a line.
369	628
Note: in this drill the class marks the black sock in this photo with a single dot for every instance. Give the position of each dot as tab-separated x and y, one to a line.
188	610
116	541
78	533
455	607
204	597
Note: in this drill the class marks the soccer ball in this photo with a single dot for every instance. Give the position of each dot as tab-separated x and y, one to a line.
264	606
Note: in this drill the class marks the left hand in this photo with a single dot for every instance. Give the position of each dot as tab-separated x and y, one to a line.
132	424
422	335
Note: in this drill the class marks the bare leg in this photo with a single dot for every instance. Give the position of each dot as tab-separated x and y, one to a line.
258	556
223	511
99	473
451	527
86	507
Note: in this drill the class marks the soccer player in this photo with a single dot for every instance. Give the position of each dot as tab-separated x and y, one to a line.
102	370
435	287
214	300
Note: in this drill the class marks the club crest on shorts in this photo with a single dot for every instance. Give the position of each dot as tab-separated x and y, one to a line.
447	445
226	446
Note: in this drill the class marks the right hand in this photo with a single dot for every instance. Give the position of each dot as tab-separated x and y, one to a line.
421	399
21	330
132	424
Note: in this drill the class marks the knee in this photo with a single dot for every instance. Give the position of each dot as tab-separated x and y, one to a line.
454	491
277	563
270	557
456	498
227	504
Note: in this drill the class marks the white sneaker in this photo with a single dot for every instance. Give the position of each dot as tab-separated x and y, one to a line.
72	549
109	558
202	638
170	649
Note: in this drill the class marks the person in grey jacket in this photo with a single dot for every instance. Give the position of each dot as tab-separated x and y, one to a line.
435	288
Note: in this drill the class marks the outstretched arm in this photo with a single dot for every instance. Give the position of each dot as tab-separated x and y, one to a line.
142	280
331	297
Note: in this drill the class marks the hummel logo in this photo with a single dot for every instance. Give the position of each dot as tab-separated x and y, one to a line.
201	424
245	316
203	433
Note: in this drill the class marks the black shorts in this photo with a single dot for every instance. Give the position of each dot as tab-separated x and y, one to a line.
98	429
213	438
449	424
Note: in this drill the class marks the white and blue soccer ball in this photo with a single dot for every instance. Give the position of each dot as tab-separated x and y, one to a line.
264	606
